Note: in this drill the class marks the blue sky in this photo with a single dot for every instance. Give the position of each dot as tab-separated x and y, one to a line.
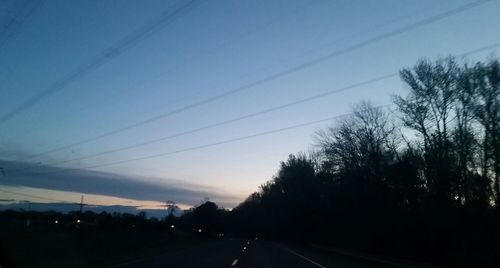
215	47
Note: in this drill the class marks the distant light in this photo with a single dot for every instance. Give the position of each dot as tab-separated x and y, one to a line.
199	230
77	221
172	226
56	222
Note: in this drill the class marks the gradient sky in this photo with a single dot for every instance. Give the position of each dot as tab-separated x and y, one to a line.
215	47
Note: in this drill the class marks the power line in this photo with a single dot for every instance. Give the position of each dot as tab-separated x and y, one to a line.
481	49
275	76
81	203
209	144
254	114
391	21
38	197
166	18
233	120
191	58
298	8
275	20
12	27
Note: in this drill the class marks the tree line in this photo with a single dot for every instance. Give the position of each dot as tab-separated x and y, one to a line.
420	181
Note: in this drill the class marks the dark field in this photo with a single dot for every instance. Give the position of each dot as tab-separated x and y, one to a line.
68	246
71	246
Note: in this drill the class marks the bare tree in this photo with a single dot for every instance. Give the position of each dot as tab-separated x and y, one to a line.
427	109
487	112
361	141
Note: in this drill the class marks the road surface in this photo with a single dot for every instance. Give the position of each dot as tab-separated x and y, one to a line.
251	253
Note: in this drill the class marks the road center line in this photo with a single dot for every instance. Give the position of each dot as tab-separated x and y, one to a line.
302	256
234	262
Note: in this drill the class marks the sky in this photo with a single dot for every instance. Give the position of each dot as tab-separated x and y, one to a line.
144	79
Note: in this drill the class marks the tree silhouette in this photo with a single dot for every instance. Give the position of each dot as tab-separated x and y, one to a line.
419	182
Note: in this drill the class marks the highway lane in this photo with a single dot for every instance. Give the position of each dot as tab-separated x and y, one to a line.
250	253
218	253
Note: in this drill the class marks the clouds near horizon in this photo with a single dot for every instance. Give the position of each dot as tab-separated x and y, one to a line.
110	184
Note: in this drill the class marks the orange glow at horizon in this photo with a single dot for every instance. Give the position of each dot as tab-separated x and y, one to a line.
40	195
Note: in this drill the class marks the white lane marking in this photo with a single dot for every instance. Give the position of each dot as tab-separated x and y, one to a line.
234	262
370	258
302	256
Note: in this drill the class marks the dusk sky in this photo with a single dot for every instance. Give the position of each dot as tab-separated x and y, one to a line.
80	78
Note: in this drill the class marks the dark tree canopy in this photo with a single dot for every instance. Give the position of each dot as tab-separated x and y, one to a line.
419	180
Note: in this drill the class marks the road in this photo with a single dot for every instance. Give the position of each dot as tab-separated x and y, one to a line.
251	253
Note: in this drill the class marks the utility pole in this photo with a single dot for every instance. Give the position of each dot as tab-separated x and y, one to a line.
169	206
81	205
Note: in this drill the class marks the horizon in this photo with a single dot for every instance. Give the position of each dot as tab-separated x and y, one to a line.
145	124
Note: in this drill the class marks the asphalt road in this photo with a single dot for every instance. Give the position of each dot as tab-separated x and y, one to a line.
251	253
